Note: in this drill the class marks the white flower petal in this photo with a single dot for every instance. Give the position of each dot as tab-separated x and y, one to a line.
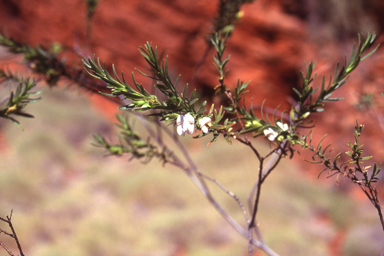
270	134
190	129
266	132
189	118
185	123
204	121
179	119
180	130
284	127
189	123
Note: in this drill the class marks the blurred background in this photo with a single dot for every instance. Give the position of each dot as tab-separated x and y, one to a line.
69	199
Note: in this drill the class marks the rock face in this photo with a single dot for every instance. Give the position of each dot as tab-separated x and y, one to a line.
268	46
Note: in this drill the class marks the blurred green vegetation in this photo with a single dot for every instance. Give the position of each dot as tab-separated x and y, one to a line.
68	199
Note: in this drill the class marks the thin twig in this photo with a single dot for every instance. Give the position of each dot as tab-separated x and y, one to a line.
264	171
5	232
274	160
230	193
249	144
5	248
13	235
258	191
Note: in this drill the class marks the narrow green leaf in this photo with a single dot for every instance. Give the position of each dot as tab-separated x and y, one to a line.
213	105
193	94
297	92
227	139
185	91
193	101
333	99
366	158
369	54
202	108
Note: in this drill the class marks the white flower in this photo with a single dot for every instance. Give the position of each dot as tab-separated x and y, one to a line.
185	124
205	123
284	127
271	134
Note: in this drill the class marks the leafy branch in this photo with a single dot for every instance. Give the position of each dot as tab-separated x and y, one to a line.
173	105
140	99
39	59
131	142
219	45
352	169
306	104
48	64
229	12
18	99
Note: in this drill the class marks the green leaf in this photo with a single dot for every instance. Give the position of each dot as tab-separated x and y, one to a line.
193	102
333	99
185	91
202	108
297	92
369	54
227	139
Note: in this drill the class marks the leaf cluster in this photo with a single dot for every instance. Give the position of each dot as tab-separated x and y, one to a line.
219	45
17	100
131	142
39	59
355	153
307	103
235	107
352	168
49	64
253	124
172	103
229	13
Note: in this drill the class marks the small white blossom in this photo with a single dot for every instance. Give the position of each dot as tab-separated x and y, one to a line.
185	124
204	124
284	127
271	134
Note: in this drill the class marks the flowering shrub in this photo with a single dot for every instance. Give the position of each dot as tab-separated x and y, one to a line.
179	112
240	122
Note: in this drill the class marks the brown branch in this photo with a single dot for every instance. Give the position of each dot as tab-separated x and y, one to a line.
5	248
8	220
249	144
264	171
230	193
